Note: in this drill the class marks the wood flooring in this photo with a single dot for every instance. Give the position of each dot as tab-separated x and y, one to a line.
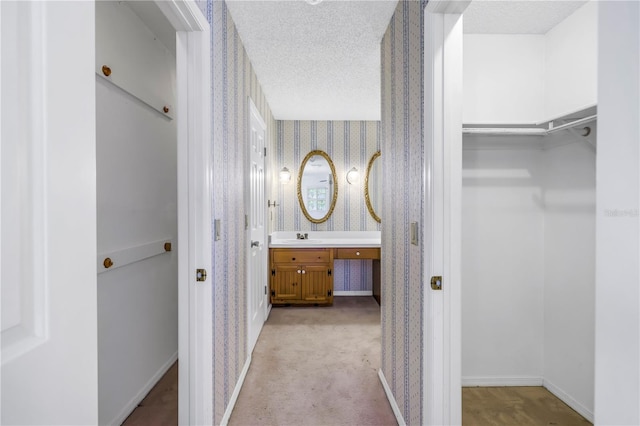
160	406
498	406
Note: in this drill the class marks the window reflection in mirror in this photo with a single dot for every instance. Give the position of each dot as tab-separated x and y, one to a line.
317	187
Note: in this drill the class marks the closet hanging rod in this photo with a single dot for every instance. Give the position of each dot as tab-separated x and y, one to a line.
504	131
573	123
532	131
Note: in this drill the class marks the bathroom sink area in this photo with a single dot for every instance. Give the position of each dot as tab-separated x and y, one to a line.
327	239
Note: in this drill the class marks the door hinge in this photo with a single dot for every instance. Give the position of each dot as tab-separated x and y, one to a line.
329	272
265	289
273	272
329	293
246	221
265	151
273	293
436	283
201	274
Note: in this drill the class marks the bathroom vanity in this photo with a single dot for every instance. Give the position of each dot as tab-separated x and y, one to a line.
301	270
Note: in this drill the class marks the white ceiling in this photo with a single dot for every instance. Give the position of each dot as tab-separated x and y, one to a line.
517	16
317	62
322	62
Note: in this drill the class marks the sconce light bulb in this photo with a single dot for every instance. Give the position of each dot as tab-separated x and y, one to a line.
285	175
353	176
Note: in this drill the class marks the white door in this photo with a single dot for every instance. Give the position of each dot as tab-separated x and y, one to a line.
257	268
48	220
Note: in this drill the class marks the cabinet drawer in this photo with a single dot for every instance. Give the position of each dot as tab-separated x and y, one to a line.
358	253
301	256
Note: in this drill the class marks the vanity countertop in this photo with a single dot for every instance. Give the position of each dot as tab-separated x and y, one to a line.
325	239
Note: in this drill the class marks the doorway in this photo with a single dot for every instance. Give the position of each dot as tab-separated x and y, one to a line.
501	168
151	178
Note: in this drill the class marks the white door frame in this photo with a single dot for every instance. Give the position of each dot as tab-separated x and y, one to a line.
442	403
195	334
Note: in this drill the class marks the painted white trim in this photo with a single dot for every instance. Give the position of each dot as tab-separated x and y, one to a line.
452	207
442	403
236	393
353	293
447	6
433	321
392	399
133	403
195	328
492	381
184	15
567	399
200	349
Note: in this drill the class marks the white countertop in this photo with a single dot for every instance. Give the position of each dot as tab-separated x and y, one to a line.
325	239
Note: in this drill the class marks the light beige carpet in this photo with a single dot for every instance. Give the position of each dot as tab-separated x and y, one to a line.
317	366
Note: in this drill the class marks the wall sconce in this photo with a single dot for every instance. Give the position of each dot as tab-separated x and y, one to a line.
285	175
353	176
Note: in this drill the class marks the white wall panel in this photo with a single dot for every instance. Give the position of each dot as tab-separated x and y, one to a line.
502	264
617	356
503	78
570	63
569	269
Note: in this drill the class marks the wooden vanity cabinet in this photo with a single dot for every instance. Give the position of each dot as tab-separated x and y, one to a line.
301	276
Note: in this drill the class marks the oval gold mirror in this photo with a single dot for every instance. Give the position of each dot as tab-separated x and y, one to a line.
317	187
373	186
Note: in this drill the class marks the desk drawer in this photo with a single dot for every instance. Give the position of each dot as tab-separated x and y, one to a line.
301	256
357	253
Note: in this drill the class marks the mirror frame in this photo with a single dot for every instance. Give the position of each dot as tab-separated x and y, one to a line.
303	207
367	199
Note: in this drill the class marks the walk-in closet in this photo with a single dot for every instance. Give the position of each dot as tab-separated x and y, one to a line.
528	206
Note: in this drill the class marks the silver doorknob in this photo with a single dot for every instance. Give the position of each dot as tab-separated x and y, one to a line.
255	243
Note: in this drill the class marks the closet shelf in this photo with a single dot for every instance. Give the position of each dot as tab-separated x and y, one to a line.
540	129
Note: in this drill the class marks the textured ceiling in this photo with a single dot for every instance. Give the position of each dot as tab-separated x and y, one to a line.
322	62
517	16
317	62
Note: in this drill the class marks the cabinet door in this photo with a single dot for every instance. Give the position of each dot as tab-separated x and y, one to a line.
317	284
286	284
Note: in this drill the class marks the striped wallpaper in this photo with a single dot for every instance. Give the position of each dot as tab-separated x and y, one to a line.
349	144
233	81
402	160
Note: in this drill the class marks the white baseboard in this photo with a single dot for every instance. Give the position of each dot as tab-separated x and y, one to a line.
392	399
133	403
236	392
562	395
353	293
474	381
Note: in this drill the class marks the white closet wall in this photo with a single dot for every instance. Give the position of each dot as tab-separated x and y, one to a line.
569	267
571	57
528	224
136	210
502	265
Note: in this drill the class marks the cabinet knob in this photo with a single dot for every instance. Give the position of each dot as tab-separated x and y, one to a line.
299	271
357	253
304	272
